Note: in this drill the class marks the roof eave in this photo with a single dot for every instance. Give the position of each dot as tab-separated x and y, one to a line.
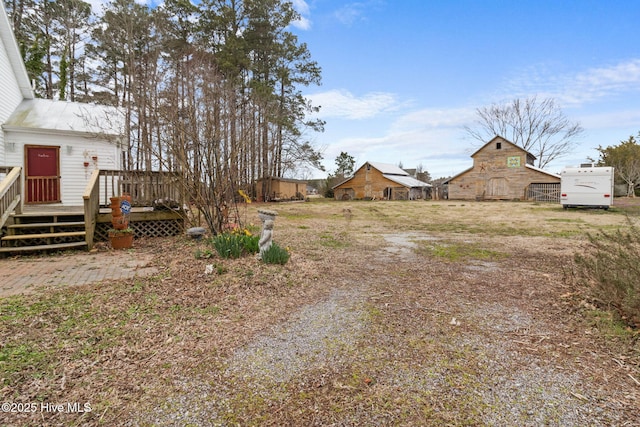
66	132
542	171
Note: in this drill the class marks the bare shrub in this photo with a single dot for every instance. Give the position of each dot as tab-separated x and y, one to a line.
611	268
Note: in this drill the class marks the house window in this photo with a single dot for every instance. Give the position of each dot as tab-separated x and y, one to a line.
498	145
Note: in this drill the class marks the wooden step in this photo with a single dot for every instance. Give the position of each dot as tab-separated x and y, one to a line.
53	215
47	224
56	246
44	235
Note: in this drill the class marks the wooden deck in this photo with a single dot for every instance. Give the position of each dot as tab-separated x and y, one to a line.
45	210
32	226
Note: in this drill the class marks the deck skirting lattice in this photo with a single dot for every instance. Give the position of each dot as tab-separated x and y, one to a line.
152	228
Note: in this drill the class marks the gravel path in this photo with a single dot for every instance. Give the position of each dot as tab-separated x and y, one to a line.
495	359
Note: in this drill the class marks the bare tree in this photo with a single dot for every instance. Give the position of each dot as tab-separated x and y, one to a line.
540	127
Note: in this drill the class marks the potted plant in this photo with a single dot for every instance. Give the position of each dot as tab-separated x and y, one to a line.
121	239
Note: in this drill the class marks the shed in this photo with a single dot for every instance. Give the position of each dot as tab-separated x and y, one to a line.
375	180
276	188
503	171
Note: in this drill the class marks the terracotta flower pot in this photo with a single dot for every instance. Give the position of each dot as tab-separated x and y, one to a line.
115	207
121	240
119	222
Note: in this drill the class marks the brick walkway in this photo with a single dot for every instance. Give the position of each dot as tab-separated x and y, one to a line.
28	274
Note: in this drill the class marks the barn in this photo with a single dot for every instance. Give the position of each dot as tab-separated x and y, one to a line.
503	171
383	181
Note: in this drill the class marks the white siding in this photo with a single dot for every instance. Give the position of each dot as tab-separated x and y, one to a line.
74	152
10	95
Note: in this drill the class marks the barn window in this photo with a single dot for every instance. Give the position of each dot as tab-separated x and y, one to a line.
498	145
368	167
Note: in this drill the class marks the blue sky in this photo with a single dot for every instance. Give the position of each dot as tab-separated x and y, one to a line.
402	77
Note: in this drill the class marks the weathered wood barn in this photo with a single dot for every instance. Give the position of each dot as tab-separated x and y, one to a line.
503	171
375	180
59	164
281	189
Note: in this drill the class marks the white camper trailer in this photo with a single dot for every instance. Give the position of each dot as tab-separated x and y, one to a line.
586	186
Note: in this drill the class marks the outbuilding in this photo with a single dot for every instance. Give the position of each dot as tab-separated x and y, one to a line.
277	189
503	171
382	181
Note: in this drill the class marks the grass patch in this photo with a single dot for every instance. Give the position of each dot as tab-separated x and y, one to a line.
566	220
609	324
21	357
458	251
330	240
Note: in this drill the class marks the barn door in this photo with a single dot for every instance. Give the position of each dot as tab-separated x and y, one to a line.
42	174
497	187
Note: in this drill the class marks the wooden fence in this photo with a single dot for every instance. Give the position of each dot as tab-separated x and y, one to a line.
544	192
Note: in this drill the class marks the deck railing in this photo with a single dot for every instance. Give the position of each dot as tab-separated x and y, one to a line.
91	198
10	192
144	187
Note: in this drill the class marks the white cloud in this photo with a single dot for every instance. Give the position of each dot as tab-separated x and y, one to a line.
353	12
432	137
343	104
436	118
350	13
577	89
301	6
302	23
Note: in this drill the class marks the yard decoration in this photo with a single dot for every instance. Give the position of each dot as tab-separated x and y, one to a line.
120	236
121	239
266	237
196	233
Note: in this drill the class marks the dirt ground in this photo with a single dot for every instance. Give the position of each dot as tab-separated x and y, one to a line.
388	313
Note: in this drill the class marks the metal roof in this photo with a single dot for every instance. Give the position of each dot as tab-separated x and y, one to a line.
387	168
61	116
406	181
555	175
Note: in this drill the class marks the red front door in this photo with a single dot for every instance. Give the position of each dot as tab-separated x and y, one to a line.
42	173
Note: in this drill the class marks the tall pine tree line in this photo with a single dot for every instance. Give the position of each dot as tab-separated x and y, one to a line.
211	91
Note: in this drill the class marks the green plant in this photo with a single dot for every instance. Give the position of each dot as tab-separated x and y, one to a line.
113	231
203	254
221	269
611	269
228	245
250	243
275	255
232	245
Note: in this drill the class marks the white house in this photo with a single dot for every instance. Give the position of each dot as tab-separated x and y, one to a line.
57	144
